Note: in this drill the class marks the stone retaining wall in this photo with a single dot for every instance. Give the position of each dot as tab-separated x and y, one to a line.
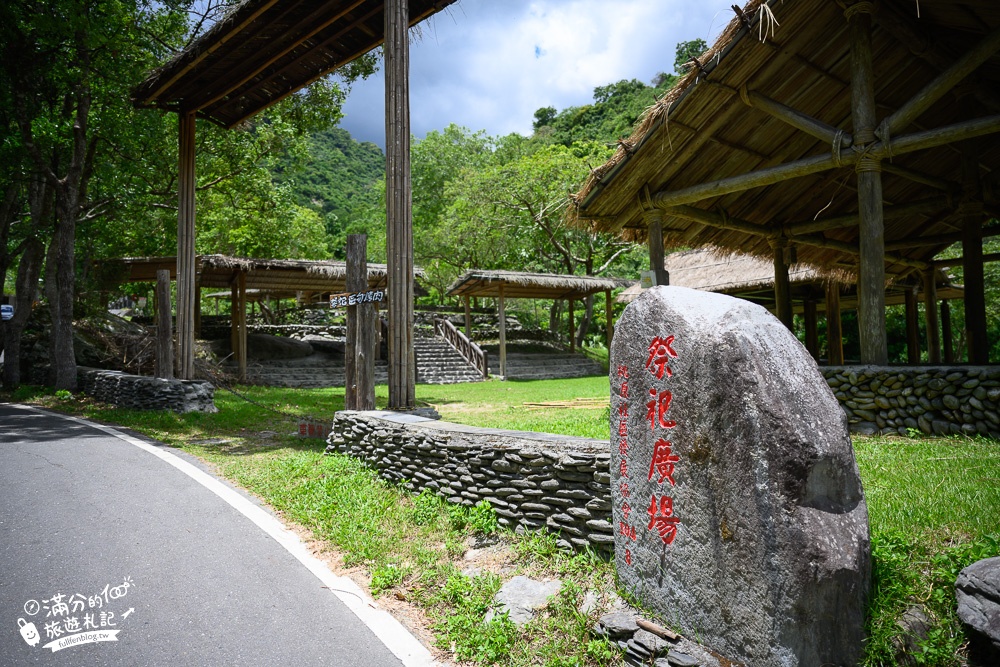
934	399
532	480
141	392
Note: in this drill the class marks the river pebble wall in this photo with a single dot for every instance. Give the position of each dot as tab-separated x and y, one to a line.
934	400
141	392
533	481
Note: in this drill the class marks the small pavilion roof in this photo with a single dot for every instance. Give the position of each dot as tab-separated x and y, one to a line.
714	125
275	277
265	50
752	278
520	285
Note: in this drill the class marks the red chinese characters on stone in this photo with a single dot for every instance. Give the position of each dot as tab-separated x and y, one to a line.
663	462
656	409
660	353
662	519
627	530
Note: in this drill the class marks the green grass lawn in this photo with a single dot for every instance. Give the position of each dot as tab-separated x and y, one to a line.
934	507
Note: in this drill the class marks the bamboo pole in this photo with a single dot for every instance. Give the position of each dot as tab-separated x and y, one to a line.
502	315
912	329
834	330
399	213
930	316
164	326
185	246
795	118
941	84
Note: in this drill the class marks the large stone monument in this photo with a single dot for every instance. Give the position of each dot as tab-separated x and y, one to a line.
738	509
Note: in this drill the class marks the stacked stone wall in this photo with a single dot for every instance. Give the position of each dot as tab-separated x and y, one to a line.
532	480
935	400
141	392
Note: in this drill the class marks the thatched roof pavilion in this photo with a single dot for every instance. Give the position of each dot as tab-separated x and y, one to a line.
260	53
266	278
834	134
503	285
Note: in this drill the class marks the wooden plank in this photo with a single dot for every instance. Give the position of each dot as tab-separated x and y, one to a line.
399	213
164	327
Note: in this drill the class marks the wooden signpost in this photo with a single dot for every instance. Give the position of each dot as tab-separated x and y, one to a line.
359	351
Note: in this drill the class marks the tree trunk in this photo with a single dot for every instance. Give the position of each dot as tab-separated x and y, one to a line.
555	314
60	284
26	286
588	316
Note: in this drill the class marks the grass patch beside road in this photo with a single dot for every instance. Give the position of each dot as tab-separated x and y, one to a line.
933	504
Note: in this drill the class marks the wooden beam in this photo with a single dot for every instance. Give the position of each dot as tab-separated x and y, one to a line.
502	316
920	177
871	231
164	327
609	316
782	286
912	329
834	330
797	119
234	32
850	219
917	141
306	29
940	86
399	212
939	239
946	337
809	316
572	328
655	242
185	246
959	261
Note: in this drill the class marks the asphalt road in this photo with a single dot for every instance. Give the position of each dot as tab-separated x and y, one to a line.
124	552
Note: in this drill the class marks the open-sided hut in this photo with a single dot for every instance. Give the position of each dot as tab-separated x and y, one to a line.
752	278
503	285
260	53
273	278
851	136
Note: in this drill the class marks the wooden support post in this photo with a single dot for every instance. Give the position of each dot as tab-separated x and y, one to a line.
572	328
655	221
359	361
946	338
197	310
782	286
834	331
241	282
185	247
871	278
234	320
399	212
164	327
468	318
812	329
931	318
610	316
503	335
973	214
912	329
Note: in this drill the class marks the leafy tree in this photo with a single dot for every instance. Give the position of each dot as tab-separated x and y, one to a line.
686	52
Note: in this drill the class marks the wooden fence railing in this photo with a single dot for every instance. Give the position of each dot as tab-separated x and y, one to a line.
472	353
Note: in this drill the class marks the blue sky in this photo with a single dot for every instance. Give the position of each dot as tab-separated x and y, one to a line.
489	64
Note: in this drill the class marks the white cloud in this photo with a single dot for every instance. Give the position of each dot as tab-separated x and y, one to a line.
489	65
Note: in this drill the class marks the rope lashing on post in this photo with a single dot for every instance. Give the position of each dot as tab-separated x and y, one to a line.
838	141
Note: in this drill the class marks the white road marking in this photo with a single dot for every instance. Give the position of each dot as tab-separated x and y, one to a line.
384	625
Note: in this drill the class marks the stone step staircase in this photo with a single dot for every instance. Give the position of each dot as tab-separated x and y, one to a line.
546	365
439	363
